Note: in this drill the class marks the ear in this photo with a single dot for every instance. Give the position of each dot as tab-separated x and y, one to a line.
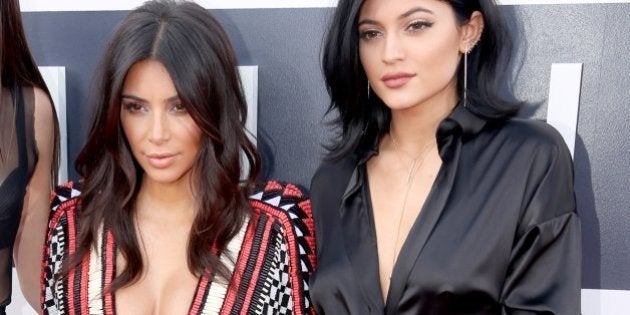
471	32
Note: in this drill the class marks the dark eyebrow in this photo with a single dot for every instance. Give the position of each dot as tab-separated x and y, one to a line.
402	16
139	99
414	10
133	97
367	21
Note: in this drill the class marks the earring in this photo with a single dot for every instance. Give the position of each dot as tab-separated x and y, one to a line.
368	90
466	76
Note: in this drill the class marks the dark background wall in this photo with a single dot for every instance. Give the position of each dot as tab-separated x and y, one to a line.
285	44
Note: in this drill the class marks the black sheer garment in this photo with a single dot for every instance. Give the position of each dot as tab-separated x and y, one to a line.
18	156
498	233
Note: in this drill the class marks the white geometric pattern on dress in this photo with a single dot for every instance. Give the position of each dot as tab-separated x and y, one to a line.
294	212
277	292
53	290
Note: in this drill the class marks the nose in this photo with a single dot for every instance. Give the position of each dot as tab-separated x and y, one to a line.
159	128
393	50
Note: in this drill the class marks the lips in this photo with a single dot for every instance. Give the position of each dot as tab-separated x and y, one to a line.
161	160
397	80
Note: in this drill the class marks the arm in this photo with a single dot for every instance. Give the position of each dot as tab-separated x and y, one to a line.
544	276
34	221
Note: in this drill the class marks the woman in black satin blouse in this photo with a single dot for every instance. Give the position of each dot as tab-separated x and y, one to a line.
434	198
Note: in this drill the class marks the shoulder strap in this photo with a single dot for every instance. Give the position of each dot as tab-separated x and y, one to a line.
20	124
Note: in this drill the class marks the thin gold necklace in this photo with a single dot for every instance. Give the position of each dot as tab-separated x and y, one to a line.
409	181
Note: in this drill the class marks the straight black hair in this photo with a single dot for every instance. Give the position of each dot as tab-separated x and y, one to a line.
361	119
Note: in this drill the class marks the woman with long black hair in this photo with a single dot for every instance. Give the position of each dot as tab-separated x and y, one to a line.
435	199
29	140
165	219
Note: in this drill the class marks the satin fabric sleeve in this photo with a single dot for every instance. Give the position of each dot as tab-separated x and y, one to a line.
544	273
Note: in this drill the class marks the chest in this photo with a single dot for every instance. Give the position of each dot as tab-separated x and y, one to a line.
258	263
161	289
395	194
458	245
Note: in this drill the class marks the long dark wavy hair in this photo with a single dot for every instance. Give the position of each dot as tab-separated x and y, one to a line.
197	53
17	65
362	118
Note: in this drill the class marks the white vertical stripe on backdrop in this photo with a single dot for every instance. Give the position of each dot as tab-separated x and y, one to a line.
564	100
55	78
605	302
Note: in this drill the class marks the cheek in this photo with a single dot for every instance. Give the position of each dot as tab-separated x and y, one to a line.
195	139
367	57
192	134
129	130
440	63
446	51
124	124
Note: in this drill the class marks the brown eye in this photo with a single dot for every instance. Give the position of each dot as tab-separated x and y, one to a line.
133	107
179	108
418	26
369	34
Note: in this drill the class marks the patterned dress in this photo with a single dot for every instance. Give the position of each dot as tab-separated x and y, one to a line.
275	253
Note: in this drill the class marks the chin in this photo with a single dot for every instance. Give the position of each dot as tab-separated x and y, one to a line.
164	177
400	104
398	101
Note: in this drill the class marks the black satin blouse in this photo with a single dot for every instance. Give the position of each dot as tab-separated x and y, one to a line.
498	233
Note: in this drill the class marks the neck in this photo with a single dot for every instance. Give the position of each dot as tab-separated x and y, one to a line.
414	128
165	200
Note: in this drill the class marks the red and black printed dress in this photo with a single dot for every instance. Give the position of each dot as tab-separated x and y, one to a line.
275	253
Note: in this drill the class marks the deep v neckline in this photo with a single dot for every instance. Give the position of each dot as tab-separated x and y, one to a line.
200	288
208	295
420	231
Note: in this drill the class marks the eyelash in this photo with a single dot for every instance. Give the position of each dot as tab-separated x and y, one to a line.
133	107
369	35
418	25
414	26
179	108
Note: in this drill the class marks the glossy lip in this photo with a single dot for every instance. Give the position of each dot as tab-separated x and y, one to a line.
396	80
161	160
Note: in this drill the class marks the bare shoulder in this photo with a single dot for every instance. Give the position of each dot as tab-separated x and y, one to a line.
44	111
